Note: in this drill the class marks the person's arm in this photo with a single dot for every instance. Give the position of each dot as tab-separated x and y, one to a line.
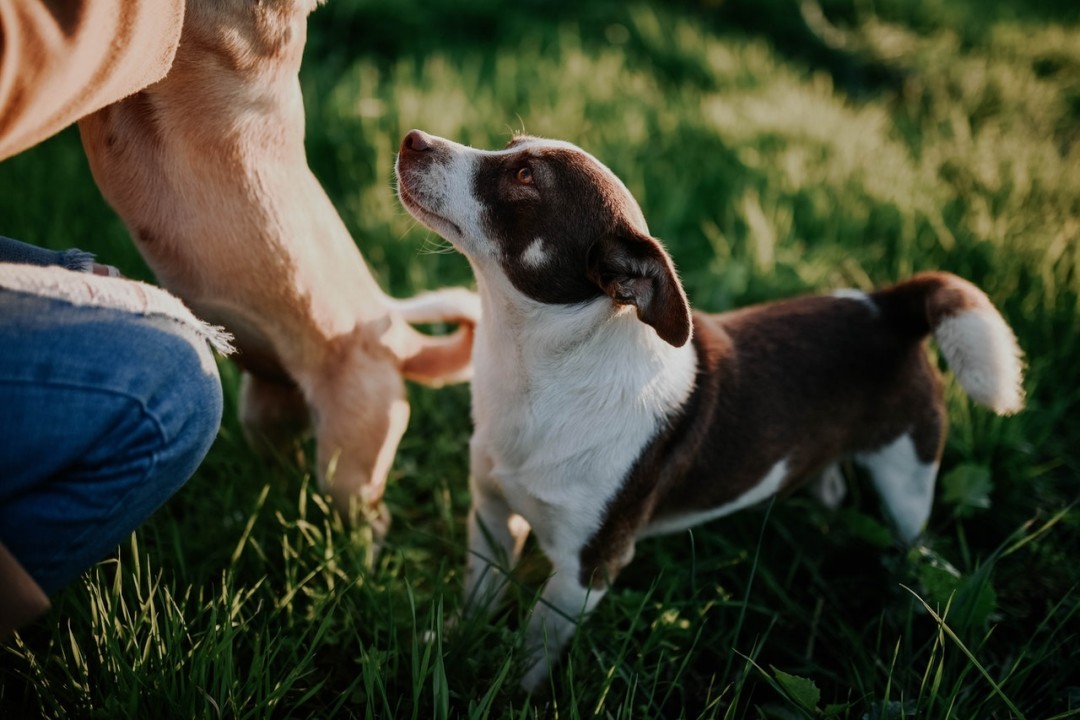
13	251
63	59
21	598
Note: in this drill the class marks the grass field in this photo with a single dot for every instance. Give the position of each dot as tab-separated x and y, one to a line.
777	148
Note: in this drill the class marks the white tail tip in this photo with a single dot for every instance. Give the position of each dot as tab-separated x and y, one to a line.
983	354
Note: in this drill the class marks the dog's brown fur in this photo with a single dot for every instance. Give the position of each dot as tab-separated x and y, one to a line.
208	170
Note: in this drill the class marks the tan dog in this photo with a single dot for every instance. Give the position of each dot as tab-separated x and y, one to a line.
208	170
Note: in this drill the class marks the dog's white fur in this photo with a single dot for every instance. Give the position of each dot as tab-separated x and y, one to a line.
983	354
543	423
905	484
768	486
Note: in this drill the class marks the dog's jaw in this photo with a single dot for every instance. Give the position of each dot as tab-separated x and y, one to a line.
444	226
434	181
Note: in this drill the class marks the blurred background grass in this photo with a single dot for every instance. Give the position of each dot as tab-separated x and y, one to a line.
777	147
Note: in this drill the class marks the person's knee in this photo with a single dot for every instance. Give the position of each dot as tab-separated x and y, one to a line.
203	393
130	405
194	394
188	407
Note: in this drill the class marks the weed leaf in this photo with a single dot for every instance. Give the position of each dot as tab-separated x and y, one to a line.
967	488
802	690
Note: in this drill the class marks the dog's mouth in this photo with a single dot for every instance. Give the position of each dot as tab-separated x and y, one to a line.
421	212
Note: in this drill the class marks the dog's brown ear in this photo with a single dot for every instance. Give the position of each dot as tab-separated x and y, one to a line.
634	269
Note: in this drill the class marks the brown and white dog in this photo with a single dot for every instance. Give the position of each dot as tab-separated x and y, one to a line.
606	411
207	168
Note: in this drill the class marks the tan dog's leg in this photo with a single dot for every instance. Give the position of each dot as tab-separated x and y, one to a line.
272	413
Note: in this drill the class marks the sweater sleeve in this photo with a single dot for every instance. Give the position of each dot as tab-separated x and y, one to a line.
13	251
63	59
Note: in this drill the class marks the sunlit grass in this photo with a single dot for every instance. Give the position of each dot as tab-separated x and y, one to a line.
768	170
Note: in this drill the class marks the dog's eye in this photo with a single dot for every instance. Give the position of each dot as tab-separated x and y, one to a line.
524	176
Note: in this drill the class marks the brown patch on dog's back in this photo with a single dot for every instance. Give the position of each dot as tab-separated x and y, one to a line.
808	380
921	302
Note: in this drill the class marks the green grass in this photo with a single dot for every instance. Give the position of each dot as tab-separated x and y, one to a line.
773	159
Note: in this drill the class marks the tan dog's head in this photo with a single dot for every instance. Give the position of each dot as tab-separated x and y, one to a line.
559	225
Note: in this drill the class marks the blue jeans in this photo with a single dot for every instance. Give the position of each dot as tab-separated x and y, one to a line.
104	414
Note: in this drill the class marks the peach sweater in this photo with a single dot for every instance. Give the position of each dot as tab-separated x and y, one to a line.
63	59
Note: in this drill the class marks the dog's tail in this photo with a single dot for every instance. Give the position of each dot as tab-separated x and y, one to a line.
438	360
978	345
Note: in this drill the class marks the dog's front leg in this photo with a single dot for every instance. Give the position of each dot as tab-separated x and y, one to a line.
493	545
563	603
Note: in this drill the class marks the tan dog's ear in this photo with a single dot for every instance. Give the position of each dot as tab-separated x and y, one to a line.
634	269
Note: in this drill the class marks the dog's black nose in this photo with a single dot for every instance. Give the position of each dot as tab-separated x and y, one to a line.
417	141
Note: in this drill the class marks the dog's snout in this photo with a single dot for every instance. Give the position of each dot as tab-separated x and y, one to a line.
417	141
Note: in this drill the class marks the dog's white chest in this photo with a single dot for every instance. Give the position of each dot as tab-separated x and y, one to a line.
563	425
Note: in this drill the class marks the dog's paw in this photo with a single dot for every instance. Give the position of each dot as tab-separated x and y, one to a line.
538	670
830	489
449	626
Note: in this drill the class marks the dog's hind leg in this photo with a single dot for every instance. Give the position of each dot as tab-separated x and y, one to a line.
905	483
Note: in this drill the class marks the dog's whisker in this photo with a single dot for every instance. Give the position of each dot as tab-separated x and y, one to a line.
412	225
432	244
435	245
